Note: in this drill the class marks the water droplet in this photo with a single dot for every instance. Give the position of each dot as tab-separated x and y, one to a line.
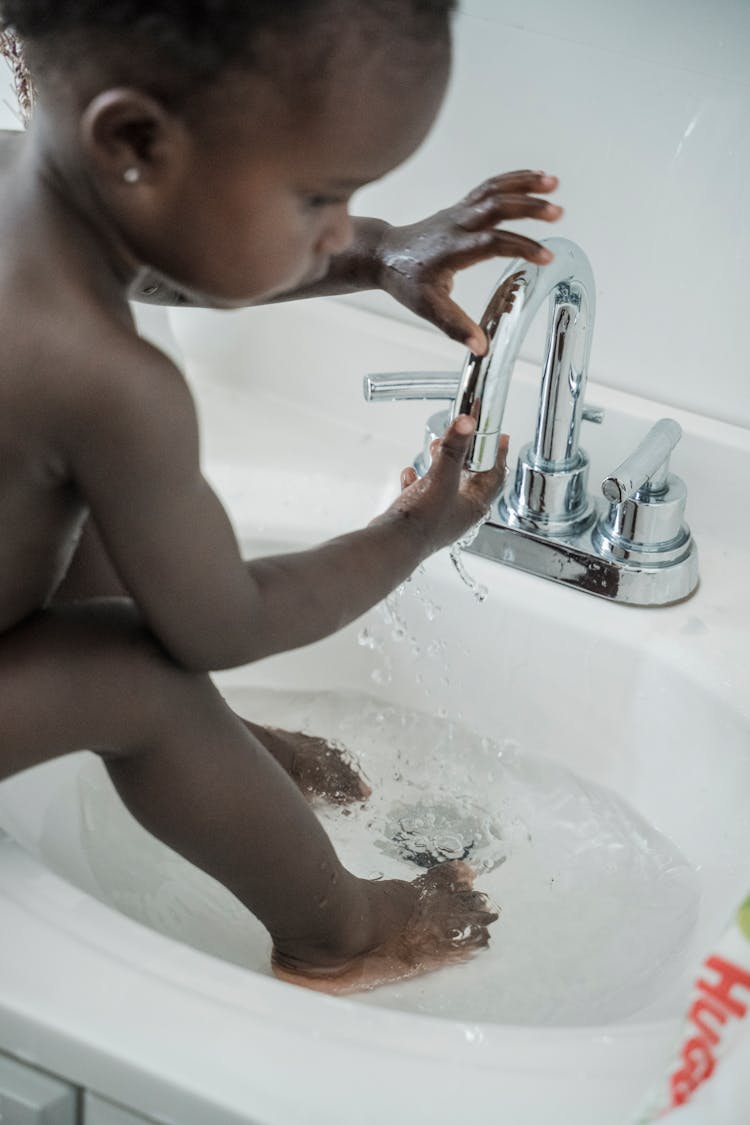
367	640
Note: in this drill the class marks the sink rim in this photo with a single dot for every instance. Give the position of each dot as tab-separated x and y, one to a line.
129	944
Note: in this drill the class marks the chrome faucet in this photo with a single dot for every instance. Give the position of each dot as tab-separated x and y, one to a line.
630	545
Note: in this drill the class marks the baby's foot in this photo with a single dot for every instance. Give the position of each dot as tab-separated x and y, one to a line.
319	768
448	923
323	770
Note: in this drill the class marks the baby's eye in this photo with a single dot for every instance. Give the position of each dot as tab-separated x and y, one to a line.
315	202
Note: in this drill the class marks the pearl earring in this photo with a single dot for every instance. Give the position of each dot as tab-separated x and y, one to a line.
131	175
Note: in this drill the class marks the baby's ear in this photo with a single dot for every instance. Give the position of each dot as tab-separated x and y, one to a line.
130	137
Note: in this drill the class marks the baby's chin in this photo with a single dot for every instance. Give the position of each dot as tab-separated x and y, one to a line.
314	273
256	295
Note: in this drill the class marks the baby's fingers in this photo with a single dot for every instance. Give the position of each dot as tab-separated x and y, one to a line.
501	461
445	314
408	476
485	486
499	208
521	181
449	455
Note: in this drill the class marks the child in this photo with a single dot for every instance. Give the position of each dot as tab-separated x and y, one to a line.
206	153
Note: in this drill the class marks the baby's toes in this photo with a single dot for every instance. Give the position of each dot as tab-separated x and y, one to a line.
452	876
467	935
470	930
328	773
346	783
478	905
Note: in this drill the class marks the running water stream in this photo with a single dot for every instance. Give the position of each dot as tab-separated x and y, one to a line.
478	589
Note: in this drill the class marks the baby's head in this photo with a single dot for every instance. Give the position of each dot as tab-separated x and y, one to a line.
223	138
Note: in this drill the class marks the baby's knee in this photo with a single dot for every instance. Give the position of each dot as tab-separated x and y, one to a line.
158	690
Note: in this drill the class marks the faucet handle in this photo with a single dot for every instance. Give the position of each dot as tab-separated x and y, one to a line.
591	413
644	527
647	467
394	386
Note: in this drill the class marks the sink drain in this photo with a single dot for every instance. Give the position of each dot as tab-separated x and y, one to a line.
428	833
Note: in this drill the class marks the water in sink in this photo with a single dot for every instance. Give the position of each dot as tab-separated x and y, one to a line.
597	908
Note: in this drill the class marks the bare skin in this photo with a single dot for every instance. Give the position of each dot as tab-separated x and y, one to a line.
96	426
416	264
318	769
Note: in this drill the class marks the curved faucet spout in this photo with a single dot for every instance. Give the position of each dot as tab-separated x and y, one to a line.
568	283
637	549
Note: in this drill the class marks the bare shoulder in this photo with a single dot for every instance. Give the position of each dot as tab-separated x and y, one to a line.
72	365
129	373
129	393
81	384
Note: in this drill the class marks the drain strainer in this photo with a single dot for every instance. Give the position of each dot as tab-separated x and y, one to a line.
427	833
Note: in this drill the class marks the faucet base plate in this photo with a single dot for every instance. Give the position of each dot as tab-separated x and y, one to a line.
578	565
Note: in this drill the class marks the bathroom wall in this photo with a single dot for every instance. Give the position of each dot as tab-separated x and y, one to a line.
9	118
642	108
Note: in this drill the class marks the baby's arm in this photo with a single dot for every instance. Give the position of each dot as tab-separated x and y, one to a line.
354	270
416	264
133	447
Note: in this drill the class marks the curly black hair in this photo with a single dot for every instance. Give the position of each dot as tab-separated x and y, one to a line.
200	38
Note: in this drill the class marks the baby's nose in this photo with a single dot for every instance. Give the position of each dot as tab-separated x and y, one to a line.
338	233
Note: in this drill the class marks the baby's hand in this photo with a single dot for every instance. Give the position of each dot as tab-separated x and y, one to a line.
444	923
448	500
417	263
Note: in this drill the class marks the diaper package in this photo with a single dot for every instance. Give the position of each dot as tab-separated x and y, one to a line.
716	1034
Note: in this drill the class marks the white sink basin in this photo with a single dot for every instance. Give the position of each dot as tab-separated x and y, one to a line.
504	720
593	761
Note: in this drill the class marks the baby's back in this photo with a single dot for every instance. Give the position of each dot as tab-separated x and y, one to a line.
50	327
40	511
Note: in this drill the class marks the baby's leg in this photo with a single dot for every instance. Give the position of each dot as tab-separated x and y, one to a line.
319	770
90	676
